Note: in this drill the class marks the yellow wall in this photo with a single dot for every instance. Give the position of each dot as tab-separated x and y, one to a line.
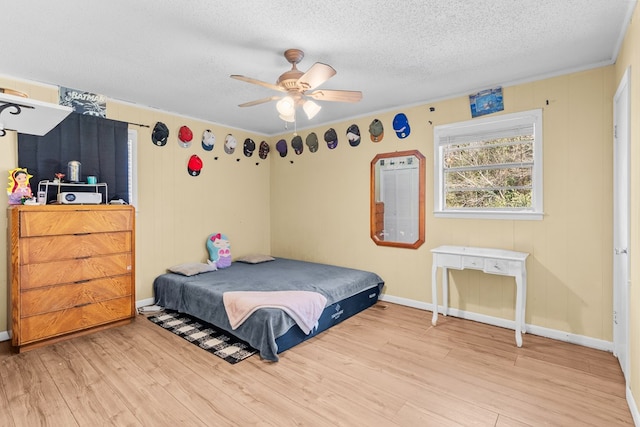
320	209
629	57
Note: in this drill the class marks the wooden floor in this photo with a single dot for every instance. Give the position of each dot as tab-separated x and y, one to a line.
383	367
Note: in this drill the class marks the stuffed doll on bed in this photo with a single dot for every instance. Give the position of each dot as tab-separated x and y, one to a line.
219	250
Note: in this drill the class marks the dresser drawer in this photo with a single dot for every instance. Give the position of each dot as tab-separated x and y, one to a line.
64	321
496	266
75	270
54	298
50	248
52	222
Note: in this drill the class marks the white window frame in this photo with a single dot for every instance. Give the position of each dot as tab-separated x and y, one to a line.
478	128
132	146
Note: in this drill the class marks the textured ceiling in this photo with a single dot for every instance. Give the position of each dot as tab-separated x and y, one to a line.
177	55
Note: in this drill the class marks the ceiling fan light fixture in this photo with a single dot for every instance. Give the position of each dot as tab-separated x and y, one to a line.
291	118
294	84
286	106
311	108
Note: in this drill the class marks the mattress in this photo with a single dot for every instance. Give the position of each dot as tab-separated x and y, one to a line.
270	330
331	316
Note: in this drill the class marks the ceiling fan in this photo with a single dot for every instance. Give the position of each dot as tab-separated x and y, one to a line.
297	84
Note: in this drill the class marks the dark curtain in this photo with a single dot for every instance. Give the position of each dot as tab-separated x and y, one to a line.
100	145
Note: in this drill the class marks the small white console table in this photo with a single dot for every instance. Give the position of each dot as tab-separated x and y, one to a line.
492	261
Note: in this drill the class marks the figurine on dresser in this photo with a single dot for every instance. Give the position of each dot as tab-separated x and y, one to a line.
19	189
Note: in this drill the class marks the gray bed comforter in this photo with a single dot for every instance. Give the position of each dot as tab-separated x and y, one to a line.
201	295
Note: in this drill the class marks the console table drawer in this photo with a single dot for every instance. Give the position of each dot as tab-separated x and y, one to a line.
496	266
449	261
473	262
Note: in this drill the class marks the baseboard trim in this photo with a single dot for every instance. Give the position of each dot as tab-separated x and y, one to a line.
633	407
145	302
509	324
495	321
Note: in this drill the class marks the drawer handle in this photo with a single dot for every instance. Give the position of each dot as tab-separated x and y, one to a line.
84	257
82	281
82	305
80	234
497	267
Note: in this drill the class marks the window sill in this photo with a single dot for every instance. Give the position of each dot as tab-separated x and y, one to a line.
527	216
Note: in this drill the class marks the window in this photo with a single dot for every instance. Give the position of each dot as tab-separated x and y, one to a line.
105	148
132	163
490	167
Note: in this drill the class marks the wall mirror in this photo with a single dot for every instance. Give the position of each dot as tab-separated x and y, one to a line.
397	199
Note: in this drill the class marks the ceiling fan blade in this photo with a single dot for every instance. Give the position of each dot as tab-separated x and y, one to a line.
336	95
258	82
315	76
259	101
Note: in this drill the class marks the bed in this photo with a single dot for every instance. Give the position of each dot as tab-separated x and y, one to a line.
270	330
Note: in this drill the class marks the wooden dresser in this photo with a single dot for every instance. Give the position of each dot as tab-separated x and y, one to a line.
71	271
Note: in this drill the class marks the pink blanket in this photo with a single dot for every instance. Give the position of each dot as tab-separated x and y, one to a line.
304	307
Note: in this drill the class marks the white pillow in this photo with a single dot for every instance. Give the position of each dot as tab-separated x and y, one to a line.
193	268
255	258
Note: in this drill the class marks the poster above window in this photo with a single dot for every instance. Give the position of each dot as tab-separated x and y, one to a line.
486	102
84	102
